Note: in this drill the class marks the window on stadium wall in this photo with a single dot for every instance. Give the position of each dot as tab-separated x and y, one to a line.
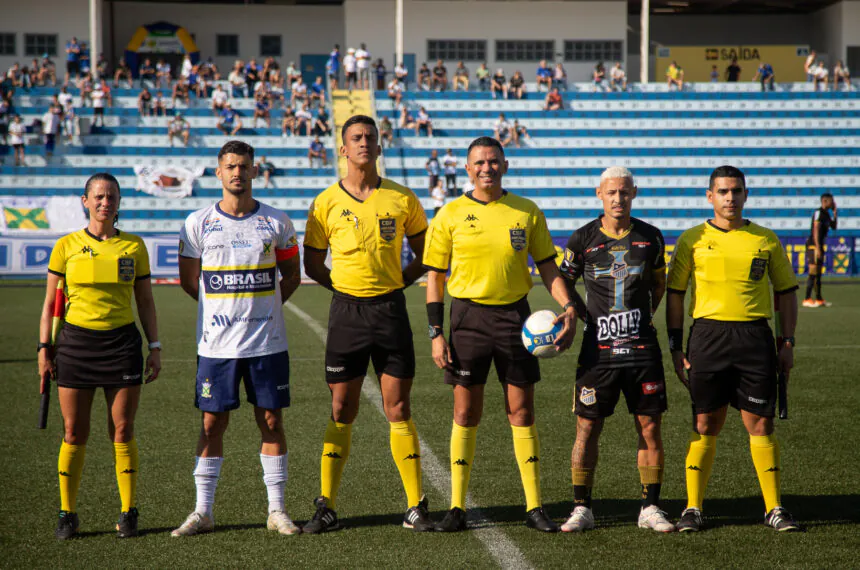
593	50
270	46
37	44
525	50
7	44
227	44
456	50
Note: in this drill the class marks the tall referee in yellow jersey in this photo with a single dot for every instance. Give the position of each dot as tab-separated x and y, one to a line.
485	237
731	357
362	219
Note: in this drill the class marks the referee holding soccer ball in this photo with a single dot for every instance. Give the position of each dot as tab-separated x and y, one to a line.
99	346
485	238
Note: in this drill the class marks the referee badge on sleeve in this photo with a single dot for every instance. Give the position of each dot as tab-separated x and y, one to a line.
126	269
387	228
518	238
757	268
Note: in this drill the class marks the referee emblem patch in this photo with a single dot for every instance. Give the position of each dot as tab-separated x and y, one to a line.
757	268
588	396
387	228
518	238
126	269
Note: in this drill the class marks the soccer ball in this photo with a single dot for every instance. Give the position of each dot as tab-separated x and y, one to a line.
539	334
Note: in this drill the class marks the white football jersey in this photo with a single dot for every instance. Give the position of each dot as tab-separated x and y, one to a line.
239	310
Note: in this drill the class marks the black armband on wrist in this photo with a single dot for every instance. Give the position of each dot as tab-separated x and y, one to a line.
436	314
676	339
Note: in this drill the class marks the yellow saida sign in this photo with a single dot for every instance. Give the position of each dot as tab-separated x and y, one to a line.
698	61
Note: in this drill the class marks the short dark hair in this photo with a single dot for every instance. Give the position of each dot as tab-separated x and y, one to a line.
236	147
100	177
485	141
826	195
727	171
358	120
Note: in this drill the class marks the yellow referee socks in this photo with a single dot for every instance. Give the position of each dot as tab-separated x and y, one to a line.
336	444
462	456
700	459
70	466
127	466
527	451
406	452
765	456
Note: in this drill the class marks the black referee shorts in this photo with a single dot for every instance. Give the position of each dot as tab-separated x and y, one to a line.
361	330
88	358
489	334
732	363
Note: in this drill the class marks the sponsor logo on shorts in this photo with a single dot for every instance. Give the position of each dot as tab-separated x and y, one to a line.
649	388
283	386
335	368
588	396
130	376
206	389
463	372
619	325
756	400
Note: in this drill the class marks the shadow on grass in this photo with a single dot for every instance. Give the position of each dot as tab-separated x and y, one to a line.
218	528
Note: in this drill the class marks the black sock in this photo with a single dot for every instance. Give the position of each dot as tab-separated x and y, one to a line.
810	283
818	287
582	496
650	494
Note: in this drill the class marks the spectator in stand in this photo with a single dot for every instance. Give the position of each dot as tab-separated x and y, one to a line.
270	67
350	69
299	92
65	98
482	75
841	74
102	67
70	122
178	127
440	76
144	103
317	150
424	77
15	76
543	76
159	107
450	165
253	74
263	90
16	139
321	124
715	74
162	74
185	70
559	77
598	76
332	67
461	77
438	193
219	100
101	98
304	118
618	77
395	92
386	132
820	75
401	73
317	91
380	74
405	120
517	86
262	110
84	58
288	123
433	169
85	86
809	65
123	71
147	73
236	79
423	121
5	117
229	123
276	84
733	71
33	73
47	70
766	76
50	129
209	70
675	76
73	66
519	132
181	90
553	101
267	169
502	130
293	73
362	64
499	84
196	83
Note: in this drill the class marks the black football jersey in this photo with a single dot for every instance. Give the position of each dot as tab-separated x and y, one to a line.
619	276
825	224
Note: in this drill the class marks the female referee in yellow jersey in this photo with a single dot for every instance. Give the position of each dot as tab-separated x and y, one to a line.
99	346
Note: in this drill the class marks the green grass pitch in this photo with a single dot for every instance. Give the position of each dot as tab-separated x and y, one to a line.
821	485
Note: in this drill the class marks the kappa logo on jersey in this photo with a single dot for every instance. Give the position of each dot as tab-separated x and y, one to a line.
229	282
471	218
588	396
619	325
346	213
518	238
88	250
757	268
387	228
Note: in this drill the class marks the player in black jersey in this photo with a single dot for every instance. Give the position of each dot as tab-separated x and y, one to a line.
822	222
622	261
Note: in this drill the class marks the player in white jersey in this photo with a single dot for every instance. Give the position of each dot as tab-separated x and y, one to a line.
230	255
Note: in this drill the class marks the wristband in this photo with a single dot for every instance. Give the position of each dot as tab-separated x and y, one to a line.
676	339
569	305
436	314
155	345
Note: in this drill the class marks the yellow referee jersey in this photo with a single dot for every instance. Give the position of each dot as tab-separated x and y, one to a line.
487	246
365	237
100	277
730	271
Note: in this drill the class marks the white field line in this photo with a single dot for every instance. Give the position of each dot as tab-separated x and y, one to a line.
501	548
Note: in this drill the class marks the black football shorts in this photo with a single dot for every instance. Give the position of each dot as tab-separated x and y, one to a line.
598	389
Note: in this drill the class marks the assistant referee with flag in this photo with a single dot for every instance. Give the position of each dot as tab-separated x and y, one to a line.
731	357
99	346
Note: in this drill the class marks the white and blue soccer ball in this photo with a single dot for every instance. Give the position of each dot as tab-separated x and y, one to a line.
539	334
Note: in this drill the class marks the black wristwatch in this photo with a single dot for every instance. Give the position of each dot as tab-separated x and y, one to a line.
789	340
433	332
42	345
